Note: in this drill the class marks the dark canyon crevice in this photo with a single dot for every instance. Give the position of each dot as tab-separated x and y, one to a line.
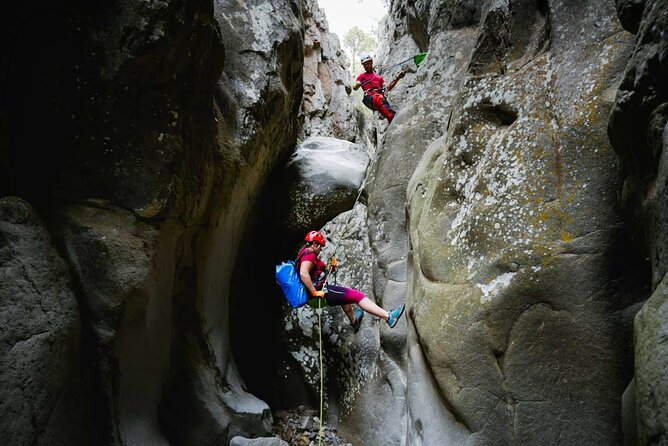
159	158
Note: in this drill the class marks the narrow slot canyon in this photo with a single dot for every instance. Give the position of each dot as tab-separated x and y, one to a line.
507	184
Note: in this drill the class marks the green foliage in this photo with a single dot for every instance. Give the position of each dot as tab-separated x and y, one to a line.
358	42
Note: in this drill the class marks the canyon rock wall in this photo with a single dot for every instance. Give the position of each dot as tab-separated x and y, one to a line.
517	204
327	109
157	117
638	130
522	272
40	378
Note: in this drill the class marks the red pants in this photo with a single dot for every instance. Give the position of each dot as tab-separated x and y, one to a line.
376	101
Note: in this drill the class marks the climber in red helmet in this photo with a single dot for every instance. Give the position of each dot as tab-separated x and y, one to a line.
374	88
312	272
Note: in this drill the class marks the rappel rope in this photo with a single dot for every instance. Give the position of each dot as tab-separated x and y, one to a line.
322	374
418	58
319	311
350	216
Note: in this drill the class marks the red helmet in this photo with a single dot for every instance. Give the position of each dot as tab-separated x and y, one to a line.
315	236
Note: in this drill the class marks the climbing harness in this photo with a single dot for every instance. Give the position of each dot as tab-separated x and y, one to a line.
374	98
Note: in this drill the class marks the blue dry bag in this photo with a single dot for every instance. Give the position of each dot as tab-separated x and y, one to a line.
293	289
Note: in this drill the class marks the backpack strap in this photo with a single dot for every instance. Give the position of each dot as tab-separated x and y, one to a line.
321	280
298	260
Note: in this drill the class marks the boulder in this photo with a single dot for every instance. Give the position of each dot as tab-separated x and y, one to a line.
322	180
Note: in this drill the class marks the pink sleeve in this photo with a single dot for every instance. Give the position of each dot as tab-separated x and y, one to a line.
310	257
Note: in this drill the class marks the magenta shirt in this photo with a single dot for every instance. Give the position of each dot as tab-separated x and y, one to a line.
370	81
320	266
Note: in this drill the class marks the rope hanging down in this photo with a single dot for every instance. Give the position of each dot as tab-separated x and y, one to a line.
321	433
318	310
418	58
357	200
350	216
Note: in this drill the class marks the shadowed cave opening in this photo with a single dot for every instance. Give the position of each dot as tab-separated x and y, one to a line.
257	306
260	343
39	96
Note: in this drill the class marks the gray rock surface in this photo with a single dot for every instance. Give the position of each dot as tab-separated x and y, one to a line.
511	209
424	101
638	130
159	116
40	380
112	257
651	389
327	108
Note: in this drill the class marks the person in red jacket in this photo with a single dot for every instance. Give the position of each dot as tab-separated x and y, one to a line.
313	274
374	88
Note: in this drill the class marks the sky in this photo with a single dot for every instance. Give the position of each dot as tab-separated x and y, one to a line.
345	14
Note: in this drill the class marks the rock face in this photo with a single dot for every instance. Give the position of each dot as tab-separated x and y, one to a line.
638	131
146	141
157	117
321	180
520	272
327	109
40	379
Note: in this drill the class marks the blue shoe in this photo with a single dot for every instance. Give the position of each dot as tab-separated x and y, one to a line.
359	314
395	315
